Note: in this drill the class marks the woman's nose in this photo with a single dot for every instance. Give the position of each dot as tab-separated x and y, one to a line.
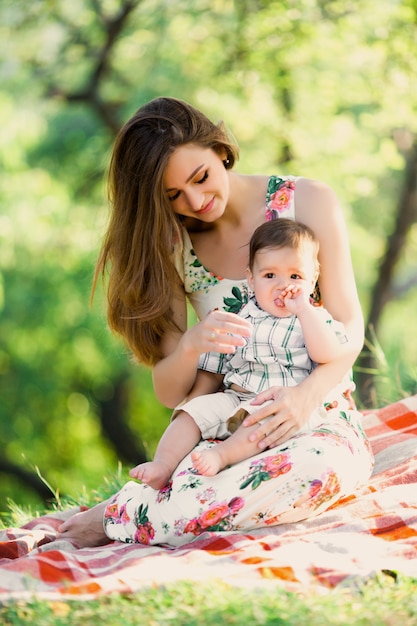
195	199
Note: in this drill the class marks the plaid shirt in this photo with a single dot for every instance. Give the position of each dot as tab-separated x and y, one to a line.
274	355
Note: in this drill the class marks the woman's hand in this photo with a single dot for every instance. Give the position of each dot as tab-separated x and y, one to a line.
287	410
218	332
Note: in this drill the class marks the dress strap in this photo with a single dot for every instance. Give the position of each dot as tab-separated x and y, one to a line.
280	197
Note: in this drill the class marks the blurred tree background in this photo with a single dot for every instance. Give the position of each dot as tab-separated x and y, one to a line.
319	88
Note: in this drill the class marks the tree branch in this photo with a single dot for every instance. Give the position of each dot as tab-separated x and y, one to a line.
29	479
90	93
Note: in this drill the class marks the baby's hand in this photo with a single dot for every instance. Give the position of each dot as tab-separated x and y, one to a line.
291	292
294	297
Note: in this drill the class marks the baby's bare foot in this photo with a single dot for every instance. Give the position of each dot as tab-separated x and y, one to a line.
154	473
207	462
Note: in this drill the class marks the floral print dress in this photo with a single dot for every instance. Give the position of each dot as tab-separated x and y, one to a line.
290	482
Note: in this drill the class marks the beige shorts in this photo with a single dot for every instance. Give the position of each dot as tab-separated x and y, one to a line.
212	411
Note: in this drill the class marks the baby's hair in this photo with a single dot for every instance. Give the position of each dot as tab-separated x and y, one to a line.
281	233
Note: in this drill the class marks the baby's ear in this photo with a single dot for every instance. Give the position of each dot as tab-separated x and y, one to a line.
249	277
316	275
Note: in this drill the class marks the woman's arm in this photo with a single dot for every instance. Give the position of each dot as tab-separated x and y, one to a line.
318	207
205	382
174	376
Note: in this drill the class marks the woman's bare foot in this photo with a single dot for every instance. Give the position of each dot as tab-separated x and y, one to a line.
156	474
85	529
207	462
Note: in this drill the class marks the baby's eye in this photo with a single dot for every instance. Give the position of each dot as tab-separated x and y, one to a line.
174	196
295	277
203	179
269	275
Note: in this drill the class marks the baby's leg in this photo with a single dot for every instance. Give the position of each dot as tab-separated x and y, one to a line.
181	436
228	452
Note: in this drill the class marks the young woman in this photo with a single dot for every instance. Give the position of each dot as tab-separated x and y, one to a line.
180	226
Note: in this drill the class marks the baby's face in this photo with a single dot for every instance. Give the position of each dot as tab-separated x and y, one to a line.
274	269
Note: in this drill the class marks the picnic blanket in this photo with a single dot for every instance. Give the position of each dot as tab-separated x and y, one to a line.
373	530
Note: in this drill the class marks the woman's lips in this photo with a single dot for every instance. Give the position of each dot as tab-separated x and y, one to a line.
206	208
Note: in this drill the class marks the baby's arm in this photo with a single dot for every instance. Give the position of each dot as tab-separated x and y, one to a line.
322	341
205	382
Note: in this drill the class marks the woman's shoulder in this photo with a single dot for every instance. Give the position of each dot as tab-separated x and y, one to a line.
312	185
307	200
315	201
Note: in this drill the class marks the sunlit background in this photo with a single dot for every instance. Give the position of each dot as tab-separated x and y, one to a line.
318	88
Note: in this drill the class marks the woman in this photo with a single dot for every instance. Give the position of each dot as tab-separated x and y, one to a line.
180	227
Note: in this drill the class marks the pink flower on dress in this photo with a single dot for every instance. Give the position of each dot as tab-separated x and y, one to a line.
123	514
315	487
276	465
144	534
319	492
282	198
236	504
213	515
192	527
330	487
112	512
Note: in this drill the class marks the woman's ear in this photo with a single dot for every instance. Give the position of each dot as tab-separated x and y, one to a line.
221	151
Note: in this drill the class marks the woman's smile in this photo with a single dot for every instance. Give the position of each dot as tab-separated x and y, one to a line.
207	208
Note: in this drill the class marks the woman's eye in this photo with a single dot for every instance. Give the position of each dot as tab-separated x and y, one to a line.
203	179
174	196
200	181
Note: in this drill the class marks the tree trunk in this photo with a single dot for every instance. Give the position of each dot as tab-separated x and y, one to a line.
382	293
112	412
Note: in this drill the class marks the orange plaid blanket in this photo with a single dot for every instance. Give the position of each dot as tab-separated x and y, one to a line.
373	530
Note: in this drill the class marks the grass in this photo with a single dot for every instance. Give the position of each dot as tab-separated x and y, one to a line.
382	601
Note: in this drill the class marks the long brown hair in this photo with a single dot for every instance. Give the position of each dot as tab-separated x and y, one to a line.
137	252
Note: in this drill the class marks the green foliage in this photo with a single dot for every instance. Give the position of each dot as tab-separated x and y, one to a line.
322	89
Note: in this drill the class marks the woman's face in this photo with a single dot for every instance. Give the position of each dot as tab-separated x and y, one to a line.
197	183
